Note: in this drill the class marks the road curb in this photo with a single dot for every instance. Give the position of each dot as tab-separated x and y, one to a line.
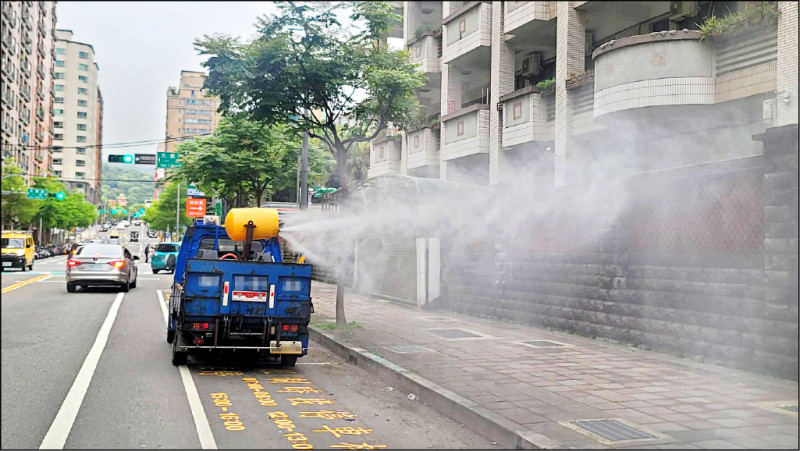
479	419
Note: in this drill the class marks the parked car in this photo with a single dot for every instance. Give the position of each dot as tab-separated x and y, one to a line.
164	257
102	264
18	249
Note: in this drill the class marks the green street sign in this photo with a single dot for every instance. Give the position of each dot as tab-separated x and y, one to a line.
168	160
36	193
218	209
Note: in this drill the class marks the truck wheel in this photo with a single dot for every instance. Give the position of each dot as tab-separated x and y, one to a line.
288	360
71	287
24	266
170	333
178	357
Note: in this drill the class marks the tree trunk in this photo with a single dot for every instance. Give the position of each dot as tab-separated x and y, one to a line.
341	169
341	321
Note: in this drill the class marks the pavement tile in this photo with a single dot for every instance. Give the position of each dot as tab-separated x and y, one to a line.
716	444
730	422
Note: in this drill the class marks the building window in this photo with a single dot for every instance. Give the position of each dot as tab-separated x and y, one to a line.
56	173
58	124
80	151
80	162
57	161
58	100
81	103
416	141
83	91
460	128
83	55
59	87
60	51
58	112
81	115
81	139
59	75
58	136
60	63
83	67
190	101
82	127
79	175
462	26
193	93
57	149
83	78
517	110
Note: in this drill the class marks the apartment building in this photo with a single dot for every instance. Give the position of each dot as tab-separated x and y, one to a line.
190	112
549	88
77	116
28	45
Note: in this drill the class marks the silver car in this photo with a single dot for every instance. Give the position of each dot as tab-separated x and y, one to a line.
102	264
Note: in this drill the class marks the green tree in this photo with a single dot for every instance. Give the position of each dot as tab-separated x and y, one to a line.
341	84
161	215
15	206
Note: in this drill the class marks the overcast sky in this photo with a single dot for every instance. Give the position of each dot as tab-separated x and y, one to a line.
141	48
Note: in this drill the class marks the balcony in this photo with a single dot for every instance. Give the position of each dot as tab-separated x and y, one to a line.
38	155
519	14
40	48
465	132
423	148
25	92
40	114
25	117
26	68
9	43
42	27
384	156
654	70
10	15
427	50
467	30
27	20
40	70
528	116
40	92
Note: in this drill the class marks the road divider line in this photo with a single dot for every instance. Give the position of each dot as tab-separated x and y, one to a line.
59	430
22	283
200	420
204	433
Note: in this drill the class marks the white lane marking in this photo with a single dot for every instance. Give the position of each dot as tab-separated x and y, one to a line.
200	420
59	430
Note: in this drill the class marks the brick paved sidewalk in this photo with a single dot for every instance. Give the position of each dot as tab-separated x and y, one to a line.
683	403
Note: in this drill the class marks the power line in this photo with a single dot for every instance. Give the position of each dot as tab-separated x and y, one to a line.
119	145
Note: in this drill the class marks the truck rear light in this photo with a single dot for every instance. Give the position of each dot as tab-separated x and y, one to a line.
117	263
198	341
198	326
72	263
294	328
285	327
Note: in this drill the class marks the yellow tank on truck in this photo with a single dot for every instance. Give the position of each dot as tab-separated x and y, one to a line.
265	220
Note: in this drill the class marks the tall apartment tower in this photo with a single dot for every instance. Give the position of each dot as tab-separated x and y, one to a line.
77	116
190	112
550	88
28	43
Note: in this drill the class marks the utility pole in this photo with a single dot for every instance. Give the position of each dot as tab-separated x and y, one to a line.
178	210
304	173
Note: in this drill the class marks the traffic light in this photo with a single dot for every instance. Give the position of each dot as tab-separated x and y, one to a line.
113	211
59	195
124	212
126	158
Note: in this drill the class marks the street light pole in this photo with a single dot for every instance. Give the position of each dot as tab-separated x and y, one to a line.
177	210
304	173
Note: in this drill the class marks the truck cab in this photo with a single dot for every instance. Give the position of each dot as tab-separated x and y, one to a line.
227	295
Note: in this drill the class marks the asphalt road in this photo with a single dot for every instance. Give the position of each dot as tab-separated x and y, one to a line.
92	369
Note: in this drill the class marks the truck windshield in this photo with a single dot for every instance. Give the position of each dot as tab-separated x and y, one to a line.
13	243
228	245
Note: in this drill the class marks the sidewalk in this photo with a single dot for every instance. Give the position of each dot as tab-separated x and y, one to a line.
483	374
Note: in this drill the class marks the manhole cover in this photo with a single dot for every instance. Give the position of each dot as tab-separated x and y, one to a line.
611	430
543	343
408	349
453	333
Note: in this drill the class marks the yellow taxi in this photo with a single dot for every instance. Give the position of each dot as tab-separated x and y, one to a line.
18	250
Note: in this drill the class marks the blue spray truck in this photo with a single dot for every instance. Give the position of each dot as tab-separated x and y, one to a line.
232	291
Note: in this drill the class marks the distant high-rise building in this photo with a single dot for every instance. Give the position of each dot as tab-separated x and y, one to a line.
190	112
77	116
28	43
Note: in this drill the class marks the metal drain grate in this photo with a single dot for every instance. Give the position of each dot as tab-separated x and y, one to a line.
453	333
613	430
408	349
543	343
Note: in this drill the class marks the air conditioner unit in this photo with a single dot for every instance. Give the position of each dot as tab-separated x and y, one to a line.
682	10
532	65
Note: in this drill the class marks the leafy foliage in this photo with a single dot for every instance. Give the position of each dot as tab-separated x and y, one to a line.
161	215
14	202
751	14
550	83
135	191
306	66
